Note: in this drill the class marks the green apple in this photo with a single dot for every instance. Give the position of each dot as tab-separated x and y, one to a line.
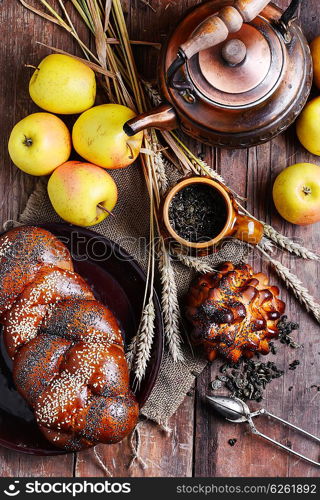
296	193
98	136
63	85
78	190
39	143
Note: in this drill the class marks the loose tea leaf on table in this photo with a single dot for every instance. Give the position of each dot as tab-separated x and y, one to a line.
232	442
248	378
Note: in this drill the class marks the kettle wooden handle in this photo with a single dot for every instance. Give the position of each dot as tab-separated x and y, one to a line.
216	28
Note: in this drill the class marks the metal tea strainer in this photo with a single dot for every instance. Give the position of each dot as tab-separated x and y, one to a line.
237	411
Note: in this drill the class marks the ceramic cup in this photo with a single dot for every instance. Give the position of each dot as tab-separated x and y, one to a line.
237	225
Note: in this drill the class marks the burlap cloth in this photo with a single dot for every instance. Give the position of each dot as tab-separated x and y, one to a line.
128	227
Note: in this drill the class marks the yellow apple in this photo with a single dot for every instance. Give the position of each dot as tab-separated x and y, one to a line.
98	136
296	193
308	126
76	189
39	143
63	85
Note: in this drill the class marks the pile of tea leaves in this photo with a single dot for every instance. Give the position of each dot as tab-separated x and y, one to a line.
197	213
248	378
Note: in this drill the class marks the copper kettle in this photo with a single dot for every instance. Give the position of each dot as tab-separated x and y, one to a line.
232	75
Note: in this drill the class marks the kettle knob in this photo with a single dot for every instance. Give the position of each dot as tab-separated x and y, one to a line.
234	52
215	29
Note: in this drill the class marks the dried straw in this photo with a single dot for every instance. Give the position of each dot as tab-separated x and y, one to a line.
95	67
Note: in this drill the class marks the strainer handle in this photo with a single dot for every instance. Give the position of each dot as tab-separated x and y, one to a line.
278	443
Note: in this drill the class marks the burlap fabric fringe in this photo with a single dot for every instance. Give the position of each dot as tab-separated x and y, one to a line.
129	227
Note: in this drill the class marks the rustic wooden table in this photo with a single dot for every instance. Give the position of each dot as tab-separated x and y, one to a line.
198	445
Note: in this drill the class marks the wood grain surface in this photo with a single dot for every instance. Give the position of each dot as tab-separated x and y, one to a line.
198	442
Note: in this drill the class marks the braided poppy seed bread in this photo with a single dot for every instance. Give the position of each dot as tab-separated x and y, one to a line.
23	251
67	348
234	312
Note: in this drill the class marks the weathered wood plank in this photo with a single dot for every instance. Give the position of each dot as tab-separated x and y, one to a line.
20	30
165	454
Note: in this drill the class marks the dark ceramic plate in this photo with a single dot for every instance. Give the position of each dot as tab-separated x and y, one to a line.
118	281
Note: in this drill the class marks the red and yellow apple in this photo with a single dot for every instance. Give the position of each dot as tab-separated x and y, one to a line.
39	143
64	85
77	191
296	193
98	136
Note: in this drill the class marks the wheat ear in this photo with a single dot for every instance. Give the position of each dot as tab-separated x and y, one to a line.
131	352
159	165
170	305
295	284
283	241
288	244
201	266
267	245
152	93
202	168
140	348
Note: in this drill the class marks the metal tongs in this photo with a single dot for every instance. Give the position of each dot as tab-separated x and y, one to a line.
235	410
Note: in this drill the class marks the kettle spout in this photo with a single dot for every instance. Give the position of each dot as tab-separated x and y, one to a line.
163	117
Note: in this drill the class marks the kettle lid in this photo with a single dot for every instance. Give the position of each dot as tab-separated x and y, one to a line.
242	71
